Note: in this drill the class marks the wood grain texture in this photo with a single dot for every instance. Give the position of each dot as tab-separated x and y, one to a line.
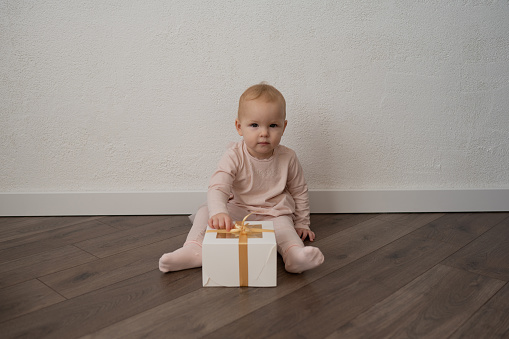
52	239
41	264
315	310
487	255
414	218
325	225
88	313
15	227
355	242
106	271
460	228
385	275
26	297
123	222
431	306
134	237
490	321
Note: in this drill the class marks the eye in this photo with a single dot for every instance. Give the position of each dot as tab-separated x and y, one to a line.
273	125
254	125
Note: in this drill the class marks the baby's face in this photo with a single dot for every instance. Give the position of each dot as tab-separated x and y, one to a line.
262	125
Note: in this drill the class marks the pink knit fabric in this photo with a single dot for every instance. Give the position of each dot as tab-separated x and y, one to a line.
273	187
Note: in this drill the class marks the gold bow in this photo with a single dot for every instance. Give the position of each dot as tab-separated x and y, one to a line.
246	228
243	229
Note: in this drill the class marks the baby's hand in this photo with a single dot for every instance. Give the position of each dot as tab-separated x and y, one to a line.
221	220
304	233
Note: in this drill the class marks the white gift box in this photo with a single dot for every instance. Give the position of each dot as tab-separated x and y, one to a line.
220	258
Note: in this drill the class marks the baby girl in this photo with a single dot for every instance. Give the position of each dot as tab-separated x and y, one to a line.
256	175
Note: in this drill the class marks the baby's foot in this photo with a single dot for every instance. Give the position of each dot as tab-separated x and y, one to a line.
300	259
186	257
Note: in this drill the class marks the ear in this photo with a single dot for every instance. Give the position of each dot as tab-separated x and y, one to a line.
284	127
237	126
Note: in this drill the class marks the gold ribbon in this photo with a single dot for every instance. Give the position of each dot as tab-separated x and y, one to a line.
243	230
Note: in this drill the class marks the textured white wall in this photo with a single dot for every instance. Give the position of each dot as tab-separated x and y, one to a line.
141	95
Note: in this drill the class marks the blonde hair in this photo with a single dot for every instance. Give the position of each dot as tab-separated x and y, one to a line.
265	91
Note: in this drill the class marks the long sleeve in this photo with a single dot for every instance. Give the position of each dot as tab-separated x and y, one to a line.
298	189
220	185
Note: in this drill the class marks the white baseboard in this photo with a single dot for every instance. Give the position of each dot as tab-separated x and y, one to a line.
322	201
408	201
100	203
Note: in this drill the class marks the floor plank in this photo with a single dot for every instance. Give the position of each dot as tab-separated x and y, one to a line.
24	298
355	242
106	271
38	243
328	224
460	228
432	306
38	265
16	227
123	222
88	313
406	218
134	237
487	255
491	321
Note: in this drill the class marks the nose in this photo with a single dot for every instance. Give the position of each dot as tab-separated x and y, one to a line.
264	132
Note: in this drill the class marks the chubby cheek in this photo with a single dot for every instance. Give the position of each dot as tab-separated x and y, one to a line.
276	139
253	140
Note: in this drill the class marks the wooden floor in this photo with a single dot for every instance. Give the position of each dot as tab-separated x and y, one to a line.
384	276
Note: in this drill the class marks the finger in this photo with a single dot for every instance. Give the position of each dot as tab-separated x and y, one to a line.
302	234
217	223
